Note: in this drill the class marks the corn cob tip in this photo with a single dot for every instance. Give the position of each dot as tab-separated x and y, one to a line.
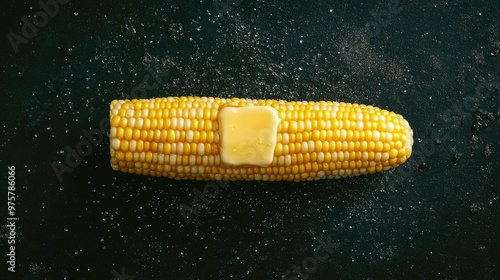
409	143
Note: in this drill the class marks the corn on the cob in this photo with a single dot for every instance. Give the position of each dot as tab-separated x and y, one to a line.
184	138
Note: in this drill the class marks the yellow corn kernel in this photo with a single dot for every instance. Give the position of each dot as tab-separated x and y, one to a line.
180	137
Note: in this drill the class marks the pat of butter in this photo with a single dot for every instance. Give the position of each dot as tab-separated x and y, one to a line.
248	135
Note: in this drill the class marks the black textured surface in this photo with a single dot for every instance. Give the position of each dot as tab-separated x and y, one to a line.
437	64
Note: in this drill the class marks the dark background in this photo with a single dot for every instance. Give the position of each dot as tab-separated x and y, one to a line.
434	62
